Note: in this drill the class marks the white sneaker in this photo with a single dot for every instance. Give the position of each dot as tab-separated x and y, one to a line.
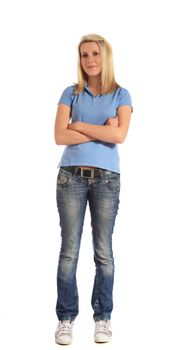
63	334
103	331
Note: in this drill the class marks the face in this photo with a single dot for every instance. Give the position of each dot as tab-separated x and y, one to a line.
90	57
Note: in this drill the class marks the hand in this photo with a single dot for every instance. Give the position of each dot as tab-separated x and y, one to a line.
113	121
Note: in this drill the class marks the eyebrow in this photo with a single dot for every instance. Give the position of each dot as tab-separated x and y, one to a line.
88	52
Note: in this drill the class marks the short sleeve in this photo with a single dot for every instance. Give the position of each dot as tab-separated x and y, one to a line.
124	98
67	96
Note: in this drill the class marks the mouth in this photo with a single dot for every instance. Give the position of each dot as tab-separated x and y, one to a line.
89	67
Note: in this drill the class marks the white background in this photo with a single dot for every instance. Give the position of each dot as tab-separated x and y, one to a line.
38	60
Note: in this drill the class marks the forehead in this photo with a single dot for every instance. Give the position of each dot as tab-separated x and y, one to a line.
89	47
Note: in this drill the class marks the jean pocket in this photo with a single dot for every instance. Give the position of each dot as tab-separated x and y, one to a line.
62	180
113	181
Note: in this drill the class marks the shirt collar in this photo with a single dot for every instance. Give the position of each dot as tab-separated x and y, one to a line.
88	90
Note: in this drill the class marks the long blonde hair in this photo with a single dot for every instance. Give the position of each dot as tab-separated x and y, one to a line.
107	81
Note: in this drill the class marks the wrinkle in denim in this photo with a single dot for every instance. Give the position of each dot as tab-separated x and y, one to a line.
73	194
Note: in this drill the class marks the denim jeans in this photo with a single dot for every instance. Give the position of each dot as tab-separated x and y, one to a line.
102	195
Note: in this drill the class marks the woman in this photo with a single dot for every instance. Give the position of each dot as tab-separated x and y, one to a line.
92	118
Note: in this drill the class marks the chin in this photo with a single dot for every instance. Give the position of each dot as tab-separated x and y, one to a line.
93	74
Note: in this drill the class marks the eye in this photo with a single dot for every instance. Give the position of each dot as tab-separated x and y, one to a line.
84	55
95	53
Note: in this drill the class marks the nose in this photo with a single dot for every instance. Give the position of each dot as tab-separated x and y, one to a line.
89	58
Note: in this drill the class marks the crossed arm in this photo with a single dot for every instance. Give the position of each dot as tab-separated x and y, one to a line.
114	131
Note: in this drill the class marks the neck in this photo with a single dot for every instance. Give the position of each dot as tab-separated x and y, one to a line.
94	82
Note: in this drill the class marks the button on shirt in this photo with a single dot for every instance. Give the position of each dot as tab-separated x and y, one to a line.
87	108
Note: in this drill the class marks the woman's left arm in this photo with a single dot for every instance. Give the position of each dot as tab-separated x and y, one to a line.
106	133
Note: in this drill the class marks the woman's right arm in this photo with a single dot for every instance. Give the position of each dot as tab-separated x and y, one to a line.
63	135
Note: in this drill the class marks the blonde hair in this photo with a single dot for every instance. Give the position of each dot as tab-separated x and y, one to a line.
107	81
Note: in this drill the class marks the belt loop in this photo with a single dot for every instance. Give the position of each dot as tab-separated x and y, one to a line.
76	170
101	172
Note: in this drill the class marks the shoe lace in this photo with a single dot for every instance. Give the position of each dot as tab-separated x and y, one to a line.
102	326
65	327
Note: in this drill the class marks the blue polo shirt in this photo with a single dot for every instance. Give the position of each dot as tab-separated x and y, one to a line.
88	108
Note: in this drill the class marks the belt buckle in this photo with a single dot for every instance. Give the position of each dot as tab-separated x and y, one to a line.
84	173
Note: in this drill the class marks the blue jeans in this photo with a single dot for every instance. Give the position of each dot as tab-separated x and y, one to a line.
73	194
